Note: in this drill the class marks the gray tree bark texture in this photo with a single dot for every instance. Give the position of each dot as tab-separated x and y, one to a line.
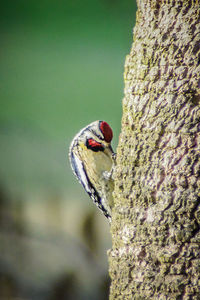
156	218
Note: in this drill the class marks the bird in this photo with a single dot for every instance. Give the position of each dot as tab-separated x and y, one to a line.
92	161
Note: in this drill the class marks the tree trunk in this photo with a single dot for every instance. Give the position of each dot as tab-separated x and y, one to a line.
156	218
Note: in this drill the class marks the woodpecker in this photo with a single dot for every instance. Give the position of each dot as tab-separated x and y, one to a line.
92	160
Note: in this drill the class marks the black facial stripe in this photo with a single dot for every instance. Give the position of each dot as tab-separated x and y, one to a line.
88	128
98	135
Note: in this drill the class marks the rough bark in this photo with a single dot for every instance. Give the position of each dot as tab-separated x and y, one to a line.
156	218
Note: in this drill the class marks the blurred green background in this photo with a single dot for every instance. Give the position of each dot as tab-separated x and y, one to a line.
61	68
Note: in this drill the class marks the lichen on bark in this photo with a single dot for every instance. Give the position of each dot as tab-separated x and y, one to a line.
156	218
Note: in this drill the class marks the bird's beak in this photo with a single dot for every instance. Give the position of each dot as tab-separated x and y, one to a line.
111	149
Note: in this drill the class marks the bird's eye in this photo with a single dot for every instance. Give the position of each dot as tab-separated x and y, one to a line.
107	131
94	146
